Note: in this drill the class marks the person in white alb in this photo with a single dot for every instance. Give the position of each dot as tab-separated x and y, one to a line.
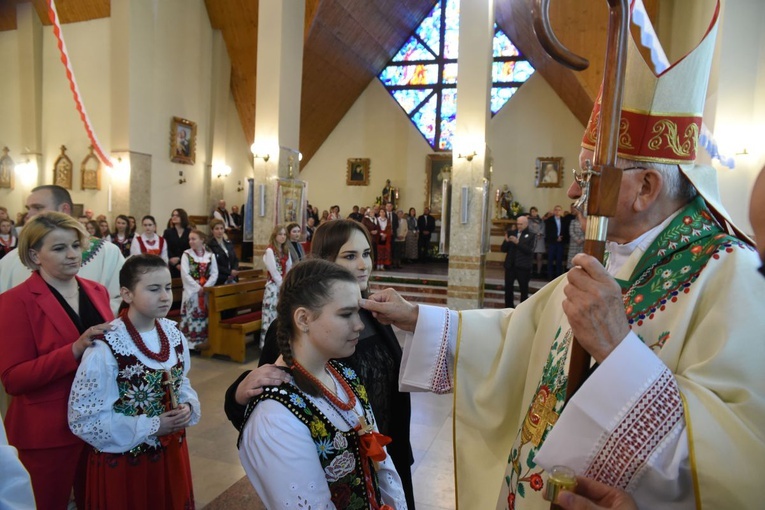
673	411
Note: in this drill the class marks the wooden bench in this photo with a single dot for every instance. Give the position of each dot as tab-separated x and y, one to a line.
175	308
246	275
227	336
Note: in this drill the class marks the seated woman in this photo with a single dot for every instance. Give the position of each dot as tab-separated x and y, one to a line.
314	442
377	359
223	250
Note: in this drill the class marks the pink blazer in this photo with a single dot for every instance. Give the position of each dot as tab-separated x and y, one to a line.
37	366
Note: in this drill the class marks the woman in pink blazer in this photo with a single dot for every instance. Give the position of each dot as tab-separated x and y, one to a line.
48	322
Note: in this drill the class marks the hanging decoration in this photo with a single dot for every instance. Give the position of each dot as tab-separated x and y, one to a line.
53	16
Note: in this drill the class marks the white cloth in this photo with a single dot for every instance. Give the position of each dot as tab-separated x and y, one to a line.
101	264
15	484
190	285
94	391
708	372
227	219
270	262
135	246
281	461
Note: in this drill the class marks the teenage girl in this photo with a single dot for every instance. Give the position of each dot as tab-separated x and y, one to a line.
198	270
122	237
314	443
149	242
131	400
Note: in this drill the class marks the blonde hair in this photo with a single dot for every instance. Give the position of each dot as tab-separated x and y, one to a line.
214	223
36	229
272	240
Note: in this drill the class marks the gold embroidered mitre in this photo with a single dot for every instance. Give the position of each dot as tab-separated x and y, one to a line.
661	113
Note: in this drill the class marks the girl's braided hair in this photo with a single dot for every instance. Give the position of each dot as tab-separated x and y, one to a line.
308	285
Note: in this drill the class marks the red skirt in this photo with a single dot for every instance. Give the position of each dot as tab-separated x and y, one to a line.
157	479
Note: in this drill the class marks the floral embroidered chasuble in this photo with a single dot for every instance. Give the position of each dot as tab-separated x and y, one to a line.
695	300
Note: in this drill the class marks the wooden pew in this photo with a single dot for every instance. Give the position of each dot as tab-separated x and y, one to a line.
246	275
175	308
227	336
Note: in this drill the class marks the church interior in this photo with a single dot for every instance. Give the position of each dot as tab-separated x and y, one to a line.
272	92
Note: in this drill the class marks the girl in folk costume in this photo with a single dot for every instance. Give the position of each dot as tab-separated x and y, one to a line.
385	242
122	237
131	400
278	262
314	442
198	270
149	242
8	239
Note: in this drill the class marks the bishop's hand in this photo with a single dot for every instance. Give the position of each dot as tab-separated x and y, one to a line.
594	307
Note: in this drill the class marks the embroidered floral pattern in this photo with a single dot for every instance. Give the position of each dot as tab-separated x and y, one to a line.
338	451
678	255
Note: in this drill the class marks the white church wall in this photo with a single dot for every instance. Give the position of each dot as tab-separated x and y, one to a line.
534	124
10	111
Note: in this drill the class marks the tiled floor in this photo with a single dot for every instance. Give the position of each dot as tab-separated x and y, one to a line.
215	462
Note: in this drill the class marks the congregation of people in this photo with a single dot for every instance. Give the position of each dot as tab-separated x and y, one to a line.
670	413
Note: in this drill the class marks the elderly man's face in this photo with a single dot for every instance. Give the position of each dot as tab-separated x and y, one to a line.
221	204
522	223
757	213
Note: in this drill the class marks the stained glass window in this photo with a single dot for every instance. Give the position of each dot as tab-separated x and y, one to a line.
422	76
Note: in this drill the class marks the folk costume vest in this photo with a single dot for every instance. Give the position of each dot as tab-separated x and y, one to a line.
339	452
151	250
142	389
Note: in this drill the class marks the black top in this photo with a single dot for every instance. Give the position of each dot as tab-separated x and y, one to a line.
426	223
225	257
88	316
176	245
519	255
551	231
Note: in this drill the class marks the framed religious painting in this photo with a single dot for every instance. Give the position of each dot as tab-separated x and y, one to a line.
358	172
62	170
90	171
290	201
438	167
183	141
7	167
549	173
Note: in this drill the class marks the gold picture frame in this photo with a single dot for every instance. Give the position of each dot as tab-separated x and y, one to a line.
548	172
358	172
437	168
183	141
7	169
62	170
290	205
90	171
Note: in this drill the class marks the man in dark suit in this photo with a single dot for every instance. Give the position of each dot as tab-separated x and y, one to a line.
556	237
519	246
392	217
426	224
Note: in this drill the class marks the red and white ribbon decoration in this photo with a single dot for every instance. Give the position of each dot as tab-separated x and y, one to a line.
53	16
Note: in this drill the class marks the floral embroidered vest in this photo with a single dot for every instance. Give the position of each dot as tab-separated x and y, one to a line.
338	451
668	267
200	271
141	388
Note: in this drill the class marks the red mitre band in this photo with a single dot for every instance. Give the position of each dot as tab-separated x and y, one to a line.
661	138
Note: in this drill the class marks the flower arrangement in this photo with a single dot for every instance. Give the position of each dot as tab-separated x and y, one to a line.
515	210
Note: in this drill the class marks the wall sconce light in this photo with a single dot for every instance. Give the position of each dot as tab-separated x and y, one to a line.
264	157
464	201
262	196
743	152
239	186
181	178
26	171
221	170
468	156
